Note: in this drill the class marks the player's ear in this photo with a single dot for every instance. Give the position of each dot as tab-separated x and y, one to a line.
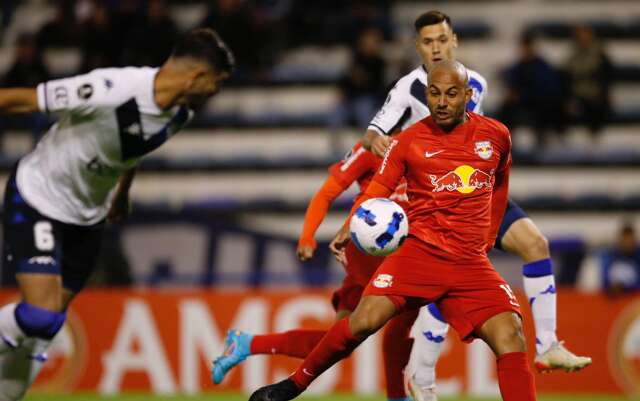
468	94
454	39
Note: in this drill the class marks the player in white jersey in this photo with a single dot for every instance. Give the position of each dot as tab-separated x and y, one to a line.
404	106
60	194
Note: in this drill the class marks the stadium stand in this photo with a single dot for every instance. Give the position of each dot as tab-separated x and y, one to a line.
262	147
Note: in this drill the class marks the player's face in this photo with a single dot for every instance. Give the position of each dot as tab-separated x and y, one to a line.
204	84
436	43
447	98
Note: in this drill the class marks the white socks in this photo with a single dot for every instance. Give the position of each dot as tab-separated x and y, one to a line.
429	333
10	334
540	287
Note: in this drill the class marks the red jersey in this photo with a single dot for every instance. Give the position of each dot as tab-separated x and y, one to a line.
457	183
361	165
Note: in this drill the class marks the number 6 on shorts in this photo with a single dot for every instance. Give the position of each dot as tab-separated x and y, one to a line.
43	236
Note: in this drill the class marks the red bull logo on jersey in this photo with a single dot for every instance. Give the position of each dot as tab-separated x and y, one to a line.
484	149
464	179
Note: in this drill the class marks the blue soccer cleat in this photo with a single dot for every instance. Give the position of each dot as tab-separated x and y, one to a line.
237	347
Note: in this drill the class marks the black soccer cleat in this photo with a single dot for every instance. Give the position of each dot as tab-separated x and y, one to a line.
282	391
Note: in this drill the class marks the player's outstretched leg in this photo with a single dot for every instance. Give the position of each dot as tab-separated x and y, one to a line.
524	239
239	345
429	333
342	338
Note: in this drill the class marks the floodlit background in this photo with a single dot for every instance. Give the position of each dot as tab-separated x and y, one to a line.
211	242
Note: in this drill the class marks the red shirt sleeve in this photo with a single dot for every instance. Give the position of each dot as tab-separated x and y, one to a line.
356	164
393	166
317	210
500	194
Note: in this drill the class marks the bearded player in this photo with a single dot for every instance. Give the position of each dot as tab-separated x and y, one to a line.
406	104
454	222
60	194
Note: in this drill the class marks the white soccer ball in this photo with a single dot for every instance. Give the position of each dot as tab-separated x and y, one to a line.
379	226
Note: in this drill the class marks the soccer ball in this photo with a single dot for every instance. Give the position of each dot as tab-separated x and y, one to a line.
379	226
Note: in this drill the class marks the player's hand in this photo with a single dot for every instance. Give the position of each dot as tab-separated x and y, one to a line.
338	244
120	209
305	252
379	145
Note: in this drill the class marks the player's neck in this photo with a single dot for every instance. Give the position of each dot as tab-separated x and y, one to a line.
167	89
464	119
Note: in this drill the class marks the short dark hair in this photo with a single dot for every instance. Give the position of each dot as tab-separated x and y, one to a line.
205	44
432	17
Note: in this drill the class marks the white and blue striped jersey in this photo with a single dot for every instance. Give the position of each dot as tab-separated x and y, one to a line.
406	103
107	120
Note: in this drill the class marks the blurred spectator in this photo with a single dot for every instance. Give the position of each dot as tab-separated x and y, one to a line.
589	72
98	47
534	93
621	264
232	19
63	30
28	69
152	39
362	88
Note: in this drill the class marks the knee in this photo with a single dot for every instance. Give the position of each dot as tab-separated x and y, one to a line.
38	322
534	248
510	337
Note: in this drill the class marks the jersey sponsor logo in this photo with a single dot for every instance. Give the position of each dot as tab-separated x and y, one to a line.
386	155
484	149
464	179
383	281
85	91
430	155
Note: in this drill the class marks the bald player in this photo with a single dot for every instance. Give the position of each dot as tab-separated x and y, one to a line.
444	259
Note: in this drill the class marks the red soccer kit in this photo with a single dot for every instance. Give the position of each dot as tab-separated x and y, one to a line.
457	184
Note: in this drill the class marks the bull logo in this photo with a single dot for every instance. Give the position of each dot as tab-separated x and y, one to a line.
464	179
484	149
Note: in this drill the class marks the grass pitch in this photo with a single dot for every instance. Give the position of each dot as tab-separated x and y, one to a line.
244	397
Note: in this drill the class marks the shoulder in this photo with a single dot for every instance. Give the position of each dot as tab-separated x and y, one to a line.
492	124
477	81
407	80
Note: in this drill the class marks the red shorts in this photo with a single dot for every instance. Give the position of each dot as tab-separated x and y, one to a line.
467	294
360	268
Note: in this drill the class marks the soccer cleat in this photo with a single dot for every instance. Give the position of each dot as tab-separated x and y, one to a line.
558	357
421	393
237	347
283	391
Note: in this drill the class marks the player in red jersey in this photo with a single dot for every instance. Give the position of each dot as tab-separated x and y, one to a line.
457	166
358	166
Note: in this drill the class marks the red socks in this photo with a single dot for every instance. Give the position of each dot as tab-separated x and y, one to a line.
337	344
515	378
294	343
396	347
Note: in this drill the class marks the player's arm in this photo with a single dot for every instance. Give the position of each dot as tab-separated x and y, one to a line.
18	100
382	185
82	94
121	204
500	194
377	137
316	212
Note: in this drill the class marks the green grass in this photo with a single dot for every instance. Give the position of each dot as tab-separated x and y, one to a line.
242	397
